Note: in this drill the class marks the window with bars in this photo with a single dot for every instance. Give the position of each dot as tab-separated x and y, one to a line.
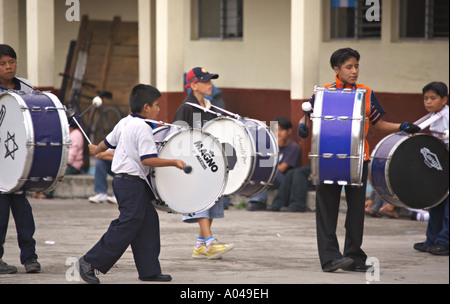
424	19
220	19
355	19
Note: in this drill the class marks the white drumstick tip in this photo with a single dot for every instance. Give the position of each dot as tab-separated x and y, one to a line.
97	101
446	134
306	106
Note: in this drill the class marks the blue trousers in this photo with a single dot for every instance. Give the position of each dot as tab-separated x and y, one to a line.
137	225
23	217
437	229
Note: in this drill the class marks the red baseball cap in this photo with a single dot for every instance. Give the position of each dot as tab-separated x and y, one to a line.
200	75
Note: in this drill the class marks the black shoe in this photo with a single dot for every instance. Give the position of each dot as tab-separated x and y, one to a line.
157	278
87	272
420	247
438	249
358	268
7	269
337	264
256	206
32	266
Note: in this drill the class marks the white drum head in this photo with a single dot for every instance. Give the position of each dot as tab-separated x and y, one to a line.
16	130
238	149
199	190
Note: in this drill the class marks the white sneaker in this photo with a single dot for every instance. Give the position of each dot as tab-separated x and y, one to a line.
98	198
112	199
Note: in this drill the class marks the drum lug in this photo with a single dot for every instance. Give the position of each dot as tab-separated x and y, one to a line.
342	156
327	155
36	109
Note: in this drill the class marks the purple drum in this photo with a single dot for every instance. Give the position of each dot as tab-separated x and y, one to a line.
337	146
34	142
410	170
252	152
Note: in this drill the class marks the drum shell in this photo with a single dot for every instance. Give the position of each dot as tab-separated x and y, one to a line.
399	173
43	136
338	137
252	150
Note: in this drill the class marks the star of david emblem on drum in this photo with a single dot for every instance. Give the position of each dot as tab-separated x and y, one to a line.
11	146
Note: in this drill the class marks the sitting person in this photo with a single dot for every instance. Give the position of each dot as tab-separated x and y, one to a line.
289	158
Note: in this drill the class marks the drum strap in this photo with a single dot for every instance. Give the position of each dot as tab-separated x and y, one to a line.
428	119
203	109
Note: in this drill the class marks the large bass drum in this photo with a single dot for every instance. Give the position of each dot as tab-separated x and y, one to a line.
34	142
337	147
252	152
199	190
410	170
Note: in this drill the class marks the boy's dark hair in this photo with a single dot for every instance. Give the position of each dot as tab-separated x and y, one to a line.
438	87
142	94
340	56
6	50
284	123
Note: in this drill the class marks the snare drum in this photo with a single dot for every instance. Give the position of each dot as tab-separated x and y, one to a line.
337	146
252	152
34	142
192	193
410	171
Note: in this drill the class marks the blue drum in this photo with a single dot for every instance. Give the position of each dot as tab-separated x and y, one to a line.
34	141
410	170
252	152
337	146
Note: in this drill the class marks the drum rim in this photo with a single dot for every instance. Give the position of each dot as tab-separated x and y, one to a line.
65	133
277	153
153	172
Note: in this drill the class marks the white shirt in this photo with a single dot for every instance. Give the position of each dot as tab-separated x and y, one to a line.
132	139
440	125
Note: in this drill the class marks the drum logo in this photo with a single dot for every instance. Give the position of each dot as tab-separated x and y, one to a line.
208	160
431	159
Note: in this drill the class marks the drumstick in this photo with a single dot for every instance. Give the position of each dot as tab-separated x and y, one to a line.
187	169
306	107
82	131
96	102
71	114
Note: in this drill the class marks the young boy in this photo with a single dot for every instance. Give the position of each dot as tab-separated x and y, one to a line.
17	203
435	96
138	223
199	80
345	63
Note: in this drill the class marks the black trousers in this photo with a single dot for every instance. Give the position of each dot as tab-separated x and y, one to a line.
23	217
327	211
137	225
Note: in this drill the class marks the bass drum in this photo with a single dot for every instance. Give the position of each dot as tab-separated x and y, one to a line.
34	142
252	152
199	190
410	171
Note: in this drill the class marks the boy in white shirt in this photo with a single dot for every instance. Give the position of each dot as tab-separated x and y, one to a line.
138	222
435	101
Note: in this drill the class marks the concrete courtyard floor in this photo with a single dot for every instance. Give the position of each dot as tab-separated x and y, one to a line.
270	248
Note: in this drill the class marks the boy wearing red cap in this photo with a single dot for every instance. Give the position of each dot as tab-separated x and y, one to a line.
192	111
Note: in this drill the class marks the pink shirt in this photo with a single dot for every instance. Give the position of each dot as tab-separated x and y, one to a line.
76	149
